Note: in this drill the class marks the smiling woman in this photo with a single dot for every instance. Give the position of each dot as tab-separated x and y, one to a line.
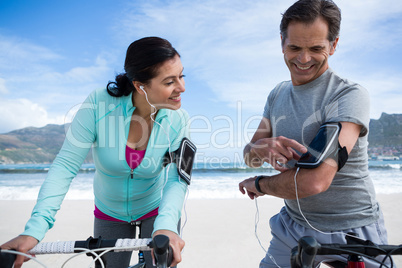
135	121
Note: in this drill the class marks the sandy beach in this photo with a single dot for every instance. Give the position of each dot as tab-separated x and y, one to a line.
218	232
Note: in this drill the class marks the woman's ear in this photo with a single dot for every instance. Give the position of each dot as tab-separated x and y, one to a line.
139	87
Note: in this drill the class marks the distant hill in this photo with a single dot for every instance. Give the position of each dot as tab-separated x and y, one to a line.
41	145
386	131
33	145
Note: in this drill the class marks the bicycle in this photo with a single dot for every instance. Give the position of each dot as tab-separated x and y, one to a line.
92	246
303	255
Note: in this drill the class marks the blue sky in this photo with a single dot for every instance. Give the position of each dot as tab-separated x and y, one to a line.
54	53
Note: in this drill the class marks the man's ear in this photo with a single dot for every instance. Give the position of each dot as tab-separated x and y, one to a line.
333	46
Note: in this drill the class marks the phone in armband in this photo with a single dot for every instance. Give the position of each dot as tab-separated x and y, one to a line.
325	144
184	159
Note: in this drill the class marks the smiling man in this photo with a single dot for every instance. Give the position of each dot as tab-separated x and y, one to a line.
306	50
337	196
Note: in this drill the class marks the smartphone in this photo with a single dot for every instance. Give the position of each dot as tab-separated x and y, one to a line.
184	159
324	144
186	155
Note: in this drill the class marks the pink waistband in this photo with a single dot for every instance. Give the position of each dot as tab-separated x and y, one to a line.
102	216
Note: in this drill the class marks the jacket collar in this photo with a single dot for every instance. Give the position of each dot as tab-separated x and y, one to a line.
129	108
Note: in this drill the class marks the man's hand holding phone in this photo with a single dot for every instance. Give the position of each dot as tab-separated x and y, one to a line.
277	151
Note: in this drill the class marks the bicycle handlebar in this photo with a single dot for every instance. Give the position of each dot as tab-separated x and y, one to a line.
162	251
303	255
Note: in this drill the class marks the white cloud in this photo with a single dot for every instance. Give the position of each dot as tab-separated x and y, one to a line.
38	85
19	55
234	46
20	113
370	25
385	92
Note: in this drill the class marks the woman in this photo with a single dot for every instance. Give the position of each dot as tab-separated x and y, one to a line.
130	126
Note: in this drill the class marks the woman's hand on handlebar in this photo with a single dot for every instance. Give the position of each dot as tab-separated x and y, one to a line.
176	243
21	243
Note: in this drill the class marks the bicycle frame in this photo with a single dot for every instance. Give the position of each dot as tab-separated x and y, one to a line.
141	258
141	261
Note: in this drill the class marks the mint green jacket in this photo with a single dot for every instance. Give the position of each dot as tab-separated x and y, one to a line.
103	123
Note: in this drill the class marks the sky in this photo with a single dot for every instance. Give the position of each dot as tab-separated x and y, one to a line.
54	53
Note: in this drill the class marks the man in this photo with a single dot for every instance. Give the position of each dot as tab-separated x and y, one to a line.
332	202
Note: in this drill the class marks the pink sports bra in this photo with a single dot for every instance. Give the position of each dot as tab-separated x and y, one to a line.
134	157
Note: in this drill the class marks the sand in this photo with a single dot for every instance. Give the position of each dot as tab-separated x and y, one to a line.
218	232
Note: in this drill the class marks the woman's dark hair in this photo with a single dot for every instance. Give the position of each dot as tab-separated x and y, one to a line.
143	59
307	11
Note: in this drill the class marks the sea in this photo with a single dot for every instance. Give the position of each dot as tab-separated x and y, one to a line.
209	181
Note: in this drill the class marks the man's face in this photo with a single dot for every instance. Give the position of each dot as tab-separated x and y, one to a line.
307	49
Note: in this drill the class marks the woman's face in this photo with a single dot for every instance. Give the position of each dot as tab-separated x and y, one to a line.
164	90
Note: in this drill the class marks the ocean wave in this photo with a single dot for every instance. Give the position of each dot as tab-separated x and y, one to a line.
232	170
386	166
35	170
198	167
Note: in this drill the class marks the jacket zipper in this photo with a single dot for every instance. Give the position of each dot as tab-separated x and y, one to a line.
128	191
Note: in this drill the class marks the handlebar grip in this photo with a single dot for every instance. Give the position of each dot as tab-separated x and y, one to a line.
308	248
162	251
7	259
294	258
170	256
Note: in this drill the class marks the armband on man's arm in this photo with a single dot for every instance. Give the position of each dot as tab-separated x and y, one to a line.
325	144
340	155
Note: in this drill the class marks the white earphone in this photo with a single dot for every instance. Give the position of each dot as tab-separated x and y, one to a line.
167	171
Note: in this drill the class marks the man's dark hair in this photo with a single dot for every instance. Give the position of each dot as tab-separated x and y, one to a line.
307	11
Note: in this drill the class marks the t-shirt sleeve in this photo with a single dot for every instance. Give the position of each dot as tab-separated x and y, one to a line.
352	104
283	86
266	112
268	104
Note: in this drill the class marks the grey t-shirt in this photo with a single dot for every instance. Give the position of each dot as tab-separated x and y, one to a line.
297	112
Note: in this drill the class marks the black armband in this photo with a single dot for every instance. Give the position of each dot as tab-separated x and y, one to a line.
340	155
184	159
325	144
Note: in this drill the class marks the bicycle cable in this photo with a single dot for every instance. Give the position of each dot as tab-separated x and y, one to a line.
304	217
257	220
